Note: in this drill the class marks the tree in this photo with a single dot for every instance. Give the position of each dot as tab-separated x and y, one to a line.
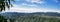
5	4
2	19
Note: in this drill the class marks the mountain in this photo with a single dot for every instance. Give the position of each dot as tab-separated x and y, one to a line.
16	14
12	14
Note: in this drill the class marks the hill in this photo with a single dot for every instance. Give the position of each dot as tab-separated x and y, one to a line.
16	14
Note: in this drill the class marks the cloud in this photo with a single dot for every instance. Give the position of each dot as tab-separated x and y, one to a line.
18	8
41	2
33	3
36	1
25	4
29	10
30	2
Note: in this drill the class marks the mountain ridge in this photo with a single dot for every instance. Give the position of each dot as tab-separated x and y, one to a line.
17	14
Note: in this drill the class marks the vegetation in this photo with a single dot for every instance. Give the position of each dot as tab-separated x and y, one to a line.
37	18
2	19
31	18
5	4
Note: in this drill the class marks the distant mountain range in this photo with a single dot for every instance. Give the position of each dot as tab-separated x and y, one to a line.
16	14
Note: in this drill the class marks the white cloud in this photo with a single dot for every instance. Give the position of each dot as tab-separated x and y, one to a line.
32	10
36	1
32	5
25	4
41	2
29	10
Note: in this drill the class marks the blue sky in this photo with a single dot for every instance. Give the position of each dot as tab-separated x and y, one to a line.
35	6
40	3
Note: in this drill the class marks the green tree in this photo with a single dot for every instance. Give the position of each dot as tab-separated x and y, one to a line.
2	19
5	4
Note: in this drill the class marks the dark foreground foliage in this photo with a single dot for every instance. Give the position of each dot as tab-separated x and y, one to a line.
2	19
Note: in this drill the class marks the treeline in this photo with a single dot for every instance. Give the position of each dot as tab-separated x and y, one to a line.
36	18
2	19
30	18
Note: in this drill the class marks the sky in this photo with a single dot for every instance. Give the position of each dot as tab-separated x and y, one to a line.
35	6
